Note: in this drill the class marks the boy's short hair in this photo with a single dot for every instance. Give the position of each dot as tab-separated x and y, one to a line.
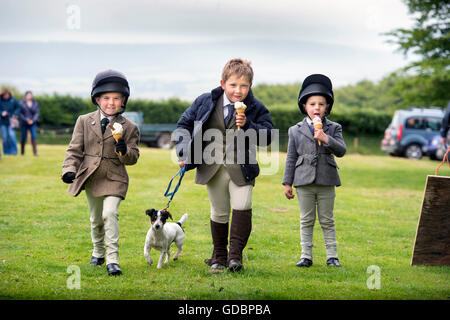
239	67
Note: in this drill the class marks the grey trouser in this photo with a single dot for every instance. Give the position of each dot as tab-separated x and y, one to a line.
311	197
222	190
104	216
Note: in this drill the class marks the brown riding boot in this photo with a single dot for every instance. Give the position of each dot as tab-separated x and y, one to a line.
34	144
22	148
219	233
241	227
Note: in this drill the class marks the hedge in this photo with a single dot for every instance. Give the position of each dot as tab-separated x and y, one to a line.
353	123
58	110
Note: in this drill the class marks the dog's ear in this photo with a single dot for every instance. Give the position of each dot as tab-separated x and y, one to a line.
169	215
150	212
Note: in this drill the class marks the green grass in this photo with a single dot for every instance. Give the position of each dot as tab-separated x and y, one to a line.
44	230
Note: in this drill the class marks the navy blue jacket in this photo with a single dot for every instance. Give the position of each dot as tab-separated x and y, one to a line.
26	112
12	106
257	118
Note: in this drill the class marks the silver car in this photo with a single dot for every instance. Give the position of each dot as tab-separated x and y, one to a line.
410	130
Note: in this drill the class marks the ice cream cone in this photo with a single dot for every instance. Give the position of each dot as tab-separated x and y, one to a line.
117	132
117	137
317	122
240	109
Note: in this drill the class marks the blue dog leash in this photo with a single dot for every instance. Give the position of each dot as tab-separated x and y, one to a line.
171	194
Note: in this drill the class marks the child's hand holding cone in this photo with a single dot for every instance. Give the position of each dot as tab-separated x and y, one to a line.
117	132
240	109
317	123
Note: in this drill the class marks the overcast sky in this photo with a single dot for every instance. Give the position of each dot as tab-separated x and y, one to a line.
178	47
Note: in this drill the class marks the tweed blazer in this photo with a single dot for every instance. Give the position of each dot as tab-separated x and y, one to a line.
198	113
205	172
93	157
307	162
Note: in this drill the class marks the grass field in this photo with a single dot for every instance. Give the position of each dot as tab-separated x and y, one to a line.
44	231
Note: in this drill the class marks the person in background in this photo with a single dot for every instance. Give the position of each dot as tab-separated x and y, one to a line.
445	125
9	110
29	114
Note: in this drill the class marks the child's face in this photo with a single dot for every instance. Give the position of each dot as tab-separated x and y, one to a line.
236	88
316	105
110	102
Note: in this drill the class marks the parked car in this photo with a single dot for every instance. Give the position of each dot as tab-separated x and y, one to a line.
434	148
410	130
155	134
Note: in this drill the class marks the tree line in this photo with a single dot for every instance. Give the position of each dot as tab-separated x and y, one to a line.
362	108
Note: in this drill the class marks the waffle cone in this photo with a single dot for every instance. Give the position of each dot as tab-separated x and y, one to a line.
240	111
117	136
318	126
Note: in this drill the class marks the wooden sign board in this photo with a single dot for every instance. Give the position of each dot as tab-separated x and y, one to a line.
432	244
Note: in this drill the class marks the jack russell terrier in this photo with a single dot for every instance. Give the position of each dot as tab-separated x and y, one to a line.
162	234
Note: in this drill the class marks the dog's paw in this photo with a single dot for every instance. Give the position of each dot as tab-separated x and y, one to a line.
149	262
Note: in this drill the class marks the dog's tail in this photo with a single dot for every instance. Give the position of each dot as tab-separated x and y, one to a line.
182	219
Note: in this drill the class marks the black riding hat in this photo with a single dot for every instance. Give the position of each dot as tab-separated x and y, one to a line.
110	81
316	84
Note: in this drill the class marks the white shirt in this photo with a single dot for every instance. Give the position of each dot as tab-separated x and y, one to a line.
110	118
226	102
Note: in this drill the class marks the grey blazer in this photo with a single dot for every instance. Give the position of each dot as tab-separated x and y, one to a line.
307	162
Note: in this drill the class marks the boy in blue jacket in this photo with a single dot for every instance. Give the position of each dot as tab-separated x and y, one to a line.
227	167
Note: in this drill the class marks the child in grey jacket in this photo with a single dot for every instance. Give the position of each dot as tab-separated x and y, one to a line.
311	167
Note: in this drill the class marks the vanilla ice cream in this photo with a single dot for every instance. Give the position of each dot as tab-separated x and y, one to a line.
117	129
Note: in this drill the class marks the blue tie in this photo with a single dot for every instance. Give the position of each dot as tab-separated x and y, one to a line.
311	128
229	116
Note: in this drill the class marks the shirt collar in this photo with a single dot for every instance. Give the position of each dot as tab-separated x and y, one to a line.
110	118
226	101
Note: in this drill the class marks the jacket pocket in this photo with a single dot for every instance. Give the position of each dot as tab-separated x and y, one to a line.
332	162
250	171
80	172
116	176
299	161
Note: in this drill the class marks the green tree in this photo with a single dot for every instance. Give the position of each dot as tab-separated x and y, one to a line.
429	39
